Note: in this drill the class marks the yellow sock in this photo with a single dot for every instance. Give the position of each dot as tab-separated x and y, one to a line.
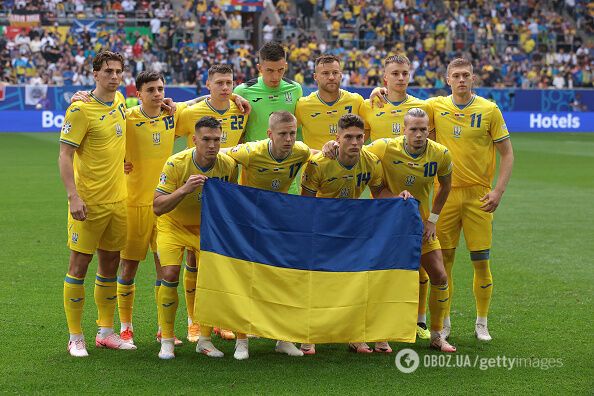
126	292
423	289
482	286
74	301
449	256
157	286
190	275
105	299
205	331
438	300
168	301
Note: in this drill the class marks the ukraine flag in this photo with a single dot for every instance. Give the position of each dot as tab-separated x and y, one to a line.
307	269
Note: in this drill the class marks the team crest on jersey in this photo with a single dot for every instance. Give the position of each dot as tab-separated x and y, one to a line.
345	192
333	129
75	237
66	128
396	128
410	180
156	138
163	179
457	131
236	148
275	184
289	97
119	131
224	137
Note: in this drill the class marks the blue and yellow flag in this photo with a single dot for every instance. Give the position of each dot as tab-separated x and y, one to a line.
307	269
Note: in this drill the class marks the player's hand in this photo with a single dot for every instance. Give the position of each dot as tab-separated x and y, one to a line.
193	183
330	149
78	209
169	106
83	96
378	96
128	167
405	194
491	201
428	231
243	104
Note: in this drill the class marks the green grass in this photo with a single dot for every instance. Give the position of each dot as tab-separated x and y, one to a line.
542	306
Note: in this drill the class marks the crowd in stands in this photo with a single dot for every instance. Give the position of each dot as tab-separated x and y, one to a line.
527	43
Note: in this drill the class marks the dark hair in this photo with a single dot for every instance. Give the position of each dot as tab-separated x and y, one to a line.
208	122
272	51
220	68
145	77
327	58
350	120
104	56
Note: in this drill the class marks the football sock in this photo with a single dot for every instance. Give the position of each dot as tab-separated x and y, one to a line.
240	336
157	285
423	289
190	275
205	331
105	299
74	301
481	320
438	299
103	332
126	292
482	286
168	302
449	256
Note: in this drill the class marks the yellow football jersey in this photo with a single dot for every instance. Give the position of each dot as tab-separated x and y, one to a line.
149	142
261	170
178	168
98	131
403	171
319	119
469	132
233	122
328	178
388	121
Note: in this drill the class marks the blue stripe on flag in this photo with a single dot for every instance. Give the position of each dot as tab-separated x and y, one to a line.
288	231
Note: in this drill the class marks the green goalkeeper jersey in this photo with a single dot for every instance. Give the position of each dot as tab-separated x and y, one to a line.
265	100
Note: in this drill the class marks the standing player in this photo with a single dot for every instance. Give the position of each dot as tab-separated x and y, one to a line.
472	128
354	169
149	142
177	203
92	149
412	162
318	113
271	164
270	92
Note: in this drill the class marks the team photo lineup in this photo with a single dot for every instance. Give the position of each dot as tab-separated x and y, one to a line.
128	192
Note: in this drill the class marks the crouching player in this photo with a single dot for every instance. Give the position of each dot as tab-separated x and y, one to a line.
177	203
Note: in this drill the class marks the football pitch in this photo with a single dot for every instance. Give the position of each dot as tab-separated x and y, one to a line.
541	258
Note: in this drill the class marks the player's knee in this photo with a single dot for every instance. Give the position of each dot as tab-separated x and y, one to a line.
79	262
128	269
170	273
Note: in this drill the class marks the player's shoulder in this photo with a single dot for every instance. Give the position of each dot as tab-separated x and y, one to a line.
250	83
368	156
413	101
225	161
311	98
351	95
133	112
485	103
286	82
436	148
434	100
300	147
77	107
318	160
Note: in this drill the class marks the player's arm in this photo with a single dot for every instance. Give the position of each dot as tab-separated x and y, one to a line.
441	196
307	193
506	163
78	209
310	181
243	105
378	97
164	202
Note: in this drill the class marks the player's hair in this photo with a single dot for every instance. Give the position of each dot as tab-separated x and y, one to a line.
415	112
326	58
145	77
400	59
272	51
220	68
104	56
459	62
280	116
207	122
350	120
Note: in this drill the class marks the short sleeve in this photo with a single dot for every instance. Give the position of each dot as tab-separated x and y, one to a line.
445	165
75	126
310	179
364	112
184	127
241	153
497	128
428	107
299	111
377	178
378	147
168	180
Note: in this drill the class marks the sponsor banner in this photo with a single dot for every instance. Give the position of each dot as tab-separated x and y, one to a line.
520	121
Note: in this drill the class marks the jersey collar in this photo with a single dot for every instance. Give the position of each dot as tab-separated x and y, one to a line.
148	116
329	103
272	156
198	166
462	107
415	156
108	104
221	112
396	103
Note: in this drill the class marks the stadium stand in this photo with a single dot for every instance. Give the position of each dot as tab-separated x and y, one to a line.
512	44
